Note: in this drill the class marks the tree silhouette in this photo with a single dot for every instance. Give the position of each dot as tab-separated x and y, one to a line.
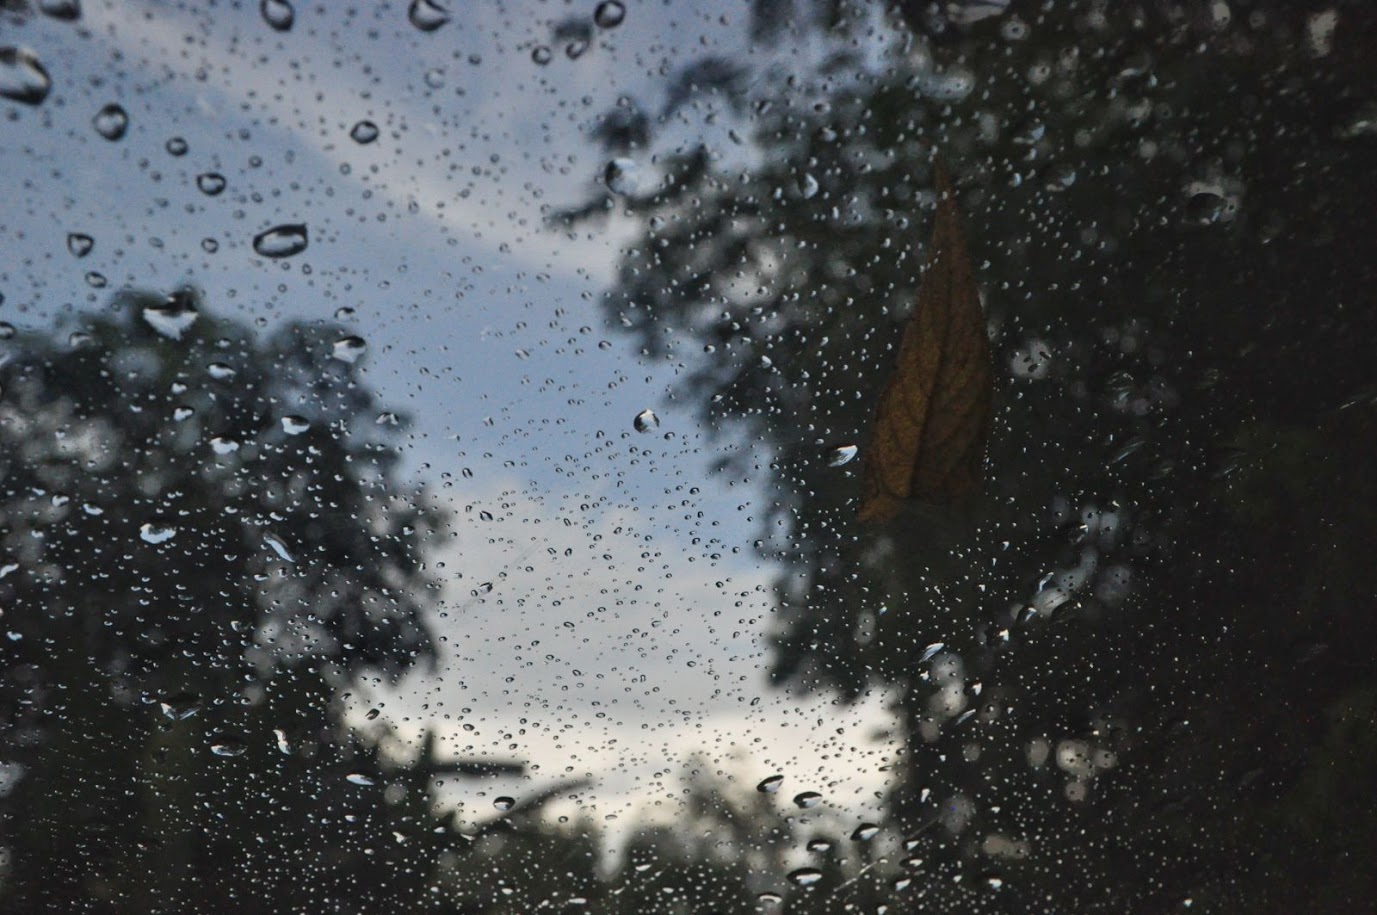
1089	654
203	546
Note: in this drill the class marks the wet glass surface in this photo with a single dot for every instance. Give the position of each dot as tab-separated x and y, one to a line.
615	457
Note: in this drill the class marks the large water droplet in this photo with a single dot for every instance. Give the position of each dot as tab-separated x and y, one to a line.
609	14
770	785
172	316
157	533
349	349
504	803
295	425
227	745
358	778
841	454
211	183
542	54
279	548
806	876
219	371
80	245
66	10
808	187
865	832
808	799
427	15
111	122
22	77
819	846
222	445
623	176
176	147
646	421
278	14
281	241
364	132
181	706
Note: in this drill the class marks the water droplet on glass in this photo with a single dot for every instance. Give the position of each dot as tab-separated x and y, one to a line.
295	425
622	176
349	349
770	785
373	714
182	414
111	122
819	846
808	187
841	454
769	898
181	706
219	371
65	10
221	445
865	832
646	421
80	245
283	746
176	147
22	77
281	241
574	49
427	15
211	183
278	14
279	548
1204	209
435	78
363	132
808	799
931	652
805	876
542	54
504	803
172	316
157	533
358	778
993	881
226	745
7	330
609	14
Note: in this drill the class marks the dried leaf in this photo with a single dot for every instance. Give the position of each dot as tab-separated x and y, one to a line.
933	418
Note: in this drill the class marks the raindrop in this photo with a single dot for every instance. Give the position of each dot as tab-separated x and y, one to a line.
770	898
80	245
176	147
806	876
931	652
219	371
172	316
221	445
279	548
819	846
865	832
22	77
808	187
609	14
542	54
157	533
225	745
808	799
283	746
993	881
770	785
182	414
181	706
295	425
364	132
211	183
646	421
574	49
278	14
427	15
7	330
841	454
373	714
1204	209
358	778
111	122
622	176
66	10
349	349
281	241
504	803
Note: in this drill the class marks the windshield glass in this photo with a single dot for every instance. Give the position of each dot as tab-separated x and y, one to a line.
797	456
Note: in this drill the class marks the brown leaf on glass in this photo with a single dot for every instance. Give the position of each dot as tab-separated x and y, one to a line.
933	418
